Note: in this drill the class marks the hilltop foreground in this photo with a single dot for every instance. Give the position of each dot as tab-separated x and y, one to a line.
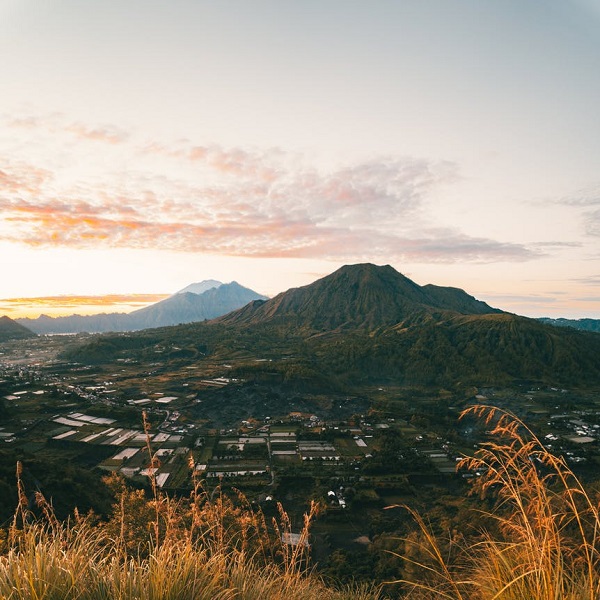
541	542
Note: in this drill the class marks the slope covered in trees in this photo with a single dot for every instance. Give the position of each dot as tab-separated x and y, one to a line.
368	324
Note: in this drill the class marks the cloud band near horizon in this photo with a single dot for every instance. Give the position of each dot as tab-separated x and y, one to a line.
230	202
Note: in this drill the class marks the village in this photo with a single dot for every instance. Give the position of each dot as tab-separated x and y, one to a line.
76	408
250	453
179	426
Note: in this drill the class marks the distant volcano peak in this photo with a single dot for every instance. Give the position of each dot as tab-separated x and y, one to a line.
200	287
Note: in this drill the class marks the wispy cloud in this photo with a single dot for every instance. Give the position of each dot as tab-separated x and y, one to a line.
592	222
588	200
594	280
56	123
231	201
585	197
510	299
554	245
109	134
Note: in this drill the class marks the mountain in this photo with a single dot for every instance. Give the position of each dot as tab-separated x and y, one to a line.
370	325
583	324
377	325
364	297
182	307
11	330
201	287
187	307
99	323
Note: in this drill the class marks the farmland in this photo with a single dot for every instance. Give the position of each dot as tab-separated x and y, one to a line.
354	454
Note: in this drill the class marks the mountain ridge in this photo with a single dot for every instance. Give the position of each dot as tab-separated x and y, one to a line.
366	325
582	324
181	307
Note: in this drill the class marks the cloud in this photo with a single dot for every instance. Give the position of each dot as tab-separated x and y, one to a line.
230	201
551	245
61	305
591	281
78	301
592	222
254	233
529	299
18	178
56	123
588	200
585	197
451	246
108	134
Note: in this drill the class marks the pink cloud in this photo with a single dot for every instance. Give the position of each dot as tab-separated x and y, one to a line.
22	178
235	201
56	123
258	238
108	134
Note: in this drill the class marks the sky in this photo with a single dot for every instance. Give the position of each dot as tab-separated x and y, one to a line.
146	145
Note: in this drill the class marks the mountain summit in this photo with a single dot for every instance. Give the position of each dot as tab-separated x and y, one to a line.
201	287
187	307
363	296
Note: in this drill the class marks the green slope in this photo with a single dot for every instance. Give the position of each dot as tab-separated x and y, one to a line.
368	324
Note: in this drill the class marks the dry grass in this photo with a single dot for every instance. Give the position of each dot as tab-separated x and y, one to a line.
546	546
78	561
205	547
543	546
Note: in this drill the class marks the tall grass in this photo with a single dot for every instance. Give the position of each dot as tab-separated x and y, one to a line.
77	561
205	547
542	542
545	543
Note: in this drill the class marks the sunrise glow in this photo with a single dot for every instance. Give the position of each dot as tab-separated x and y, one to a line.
146	146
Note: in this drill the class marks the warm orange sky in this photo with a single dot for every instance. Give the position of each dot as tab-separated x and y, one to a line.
84	305
145	146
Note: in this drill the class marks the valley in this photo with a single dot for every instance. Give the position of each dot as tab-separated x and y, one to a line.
269	438
347	392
